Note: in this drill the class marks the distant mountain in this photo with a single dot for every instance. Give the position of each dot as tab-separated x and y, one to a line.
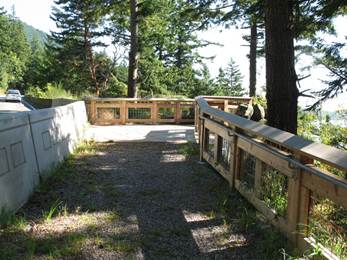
33	33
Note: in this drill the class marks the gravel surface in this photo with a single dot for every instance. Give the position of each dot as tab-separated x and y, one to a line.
140	201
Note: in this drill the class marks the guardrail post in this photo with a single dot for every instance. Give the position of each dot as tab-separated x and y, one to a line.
93	111
202	138
298	209
226	105
178	114
237	158
122	112
154	112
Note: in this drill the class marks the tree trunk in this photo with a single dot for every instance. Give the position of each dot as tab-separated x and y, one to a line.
134	50
253	59
281	91
91	60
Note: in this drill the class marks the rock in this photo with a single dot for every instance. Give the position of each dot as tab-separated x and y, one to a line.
245	111
258	113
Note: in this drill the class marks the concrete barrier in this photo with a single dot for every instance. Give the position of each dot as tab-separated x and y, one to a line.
31	144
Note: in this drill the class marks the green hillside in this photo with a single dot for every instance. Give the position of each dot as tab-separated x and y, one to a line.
33	33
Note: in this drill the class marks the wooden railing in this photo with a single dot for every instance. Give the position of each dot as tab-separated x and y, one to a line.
258	160
110	111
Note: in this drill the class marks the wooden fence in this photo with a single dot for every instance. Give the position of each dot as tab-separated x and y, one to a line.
258	160
110	111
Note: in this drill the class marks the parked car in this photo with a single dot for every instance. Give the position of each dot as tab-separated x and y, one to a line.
13	95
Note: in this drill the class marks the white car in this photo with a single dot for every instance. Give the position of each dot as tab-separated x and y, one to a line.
13	95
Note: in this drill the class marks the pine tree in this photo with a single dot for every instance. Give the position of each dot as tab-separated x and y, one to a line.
229	80
80	24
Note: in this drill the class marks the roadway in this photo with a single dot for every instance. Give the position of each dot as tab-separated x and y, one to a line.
12	107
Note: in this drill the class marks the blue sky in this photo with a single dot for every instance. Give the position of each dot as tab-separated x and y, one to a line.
37	12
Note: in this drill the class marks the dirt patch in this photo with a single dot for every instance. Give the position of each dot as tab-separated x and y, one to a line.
138	201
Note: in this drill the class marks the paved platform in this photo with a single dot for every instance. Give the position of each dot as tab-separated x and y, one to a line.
142	133
12	107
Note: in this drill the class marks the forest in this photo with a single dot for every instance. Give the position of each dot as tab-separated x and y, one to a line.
113	48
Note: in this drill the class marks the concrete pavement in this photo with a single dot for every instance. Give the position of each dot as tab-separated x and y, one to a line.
142	133
11	107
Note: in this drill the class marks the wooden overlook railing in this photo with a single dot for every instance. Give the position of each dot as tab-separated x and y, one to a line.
109	111
258	160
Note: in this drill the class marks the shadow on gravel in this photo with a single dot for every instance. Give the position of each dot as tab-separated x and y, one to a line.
142	201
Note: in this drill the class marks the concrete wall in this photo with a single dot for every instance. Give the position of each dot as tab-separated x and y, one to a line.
40	103
31	144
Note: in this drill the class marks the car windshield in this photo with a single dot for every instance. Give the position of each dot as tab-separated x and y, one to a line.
13	92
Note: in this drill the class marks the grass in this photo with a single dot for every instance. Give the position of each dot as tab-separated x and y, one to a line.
18	241
189	149
328	226
9	219
274	191
47	215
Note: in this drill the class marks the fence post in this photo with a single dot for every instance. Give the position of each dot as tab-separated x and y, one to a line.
122	112
257	177
93	111
298	208
178	113
154	112
226	105
202	133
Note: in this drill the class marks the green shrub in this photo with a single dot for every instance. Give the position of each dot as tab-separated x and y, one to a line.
51	91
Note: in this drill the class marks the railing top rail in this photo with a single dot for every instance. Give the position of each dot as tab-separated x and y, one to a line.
140	99
321	152
226	98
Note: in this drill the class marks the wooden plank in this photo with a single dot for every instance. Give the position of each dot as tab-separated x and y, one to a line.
178	114
166	105
139	105
93	112
267	157
140	121
202	139
219	129
218	167
107	105
166	121
139	99
326	189
269	214
226	105
154	112
326	154
123	113
303	217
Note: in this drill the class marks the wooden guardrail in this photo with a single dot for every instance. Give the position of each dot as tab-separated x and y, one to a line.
109	111
277	172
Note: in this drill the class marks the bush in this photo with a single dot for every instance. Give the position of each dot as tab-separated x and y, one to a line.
52	91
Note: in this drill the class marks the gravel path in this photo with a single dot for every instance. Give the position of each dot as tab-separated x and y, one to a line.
140	201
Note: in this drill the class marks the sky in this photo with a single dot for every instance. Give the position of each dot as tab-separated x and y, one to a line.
37	13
